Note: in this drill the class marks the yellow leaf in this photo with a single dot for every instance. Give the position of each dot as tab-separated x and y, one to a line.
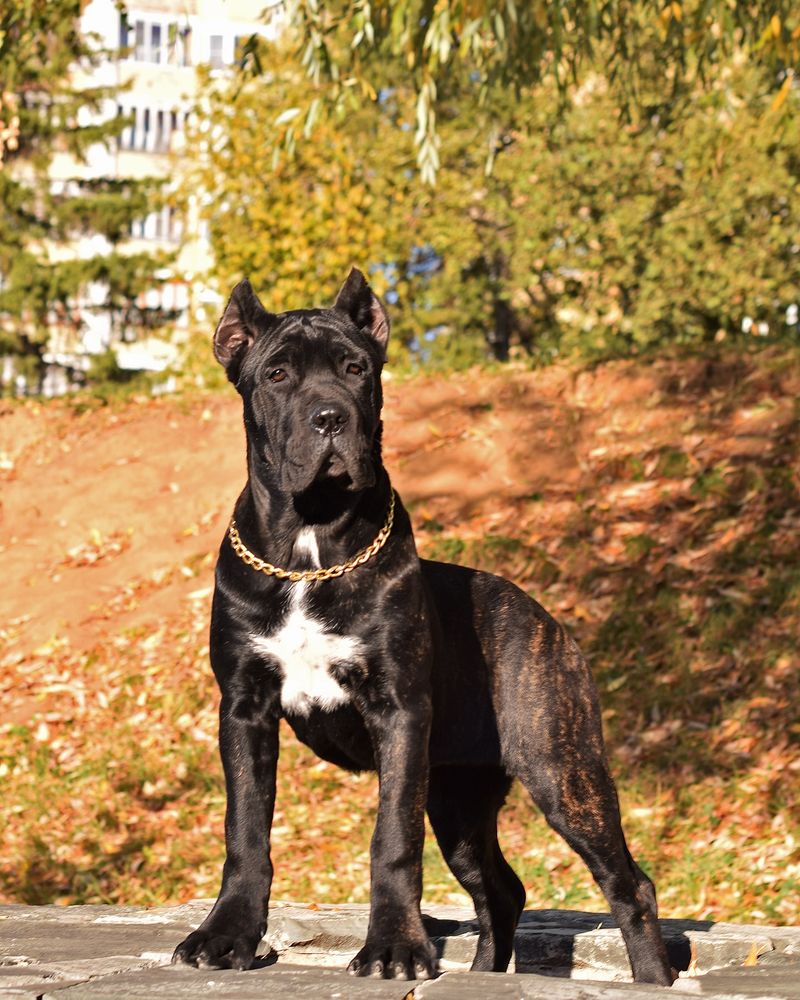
752	957
692	971
783	93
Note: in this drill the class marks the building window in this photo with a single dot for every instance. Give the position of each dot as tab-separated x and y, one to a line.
155	43
124	30
139	50
186	46
129	135
165	225
174	225
178	45
150	129
216	52
162	140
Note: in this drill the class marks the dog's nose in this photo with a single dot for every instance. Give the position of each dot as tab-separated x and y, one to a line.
328	418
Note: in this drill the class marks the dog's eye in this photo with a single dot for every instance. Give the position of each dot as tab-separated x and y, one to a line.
278	375
354	369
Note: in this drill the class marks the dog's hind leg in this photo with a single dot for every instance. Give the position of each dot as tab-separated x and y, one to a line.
553	742
580	803
463	803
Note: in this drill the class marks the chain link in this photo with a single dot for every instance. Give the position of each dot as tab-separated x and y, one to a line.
329	573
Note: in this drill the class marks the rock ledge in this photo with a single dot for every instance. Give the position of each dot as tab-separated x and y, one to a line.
118	952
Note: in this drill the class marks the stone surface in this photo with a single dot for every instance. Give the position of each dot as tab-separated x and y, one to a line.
589	945
272	983
74	952
486	986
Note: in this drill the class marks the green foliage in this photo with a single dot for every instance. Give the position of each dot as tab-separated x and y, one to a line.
616	238
105	368
109	383
594	235
495	554
40	42
341	200
503	45
105	205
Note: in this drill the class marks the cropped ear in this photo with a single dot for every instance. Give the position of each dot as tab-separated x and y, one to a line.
364	307
243	320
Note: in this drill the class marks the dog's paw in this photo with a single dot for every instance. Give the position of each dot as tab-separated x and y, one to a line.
212	950
398	960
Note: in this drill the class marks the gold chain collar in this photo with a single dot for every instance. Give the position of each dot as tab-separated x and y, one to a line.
295	576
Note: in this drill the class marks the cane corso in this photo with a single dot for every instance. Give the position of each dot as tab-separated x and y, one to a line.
447	681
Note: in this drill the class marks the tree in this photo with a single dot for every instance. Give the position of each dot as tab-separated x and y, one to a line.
295	229
44	111
506	44
594	234
617	237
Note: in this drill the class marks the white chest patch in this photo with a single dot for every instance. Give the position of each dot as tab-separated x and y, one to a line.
305	649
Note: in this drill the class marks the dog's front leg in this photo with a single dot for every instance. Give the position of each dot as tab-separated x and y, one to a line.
397	944
230	934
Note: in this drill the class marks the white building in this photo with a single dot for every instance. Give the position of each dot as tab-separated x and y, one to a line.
160	46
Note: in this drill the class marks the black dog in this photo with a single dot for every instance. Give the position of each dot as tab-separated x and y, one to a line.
447	681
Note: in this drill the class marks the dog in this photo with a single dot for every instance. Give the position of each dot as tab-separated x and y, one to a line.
448	681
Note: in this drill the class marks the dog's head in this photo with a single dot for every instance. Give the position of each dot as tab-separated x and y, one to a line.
310	382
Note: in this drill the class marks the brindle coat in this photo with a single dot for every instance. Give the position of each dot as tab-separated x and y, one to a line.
448	681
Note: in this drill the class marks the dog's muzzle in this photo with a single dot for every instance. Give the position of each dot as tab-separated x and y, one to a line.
328	445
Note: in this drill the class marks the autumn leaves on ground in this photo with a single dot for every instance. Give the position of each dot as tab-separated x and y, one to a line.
654	509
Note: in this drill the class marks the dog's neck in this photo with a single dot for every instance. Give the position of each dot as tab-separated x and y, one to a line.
278	526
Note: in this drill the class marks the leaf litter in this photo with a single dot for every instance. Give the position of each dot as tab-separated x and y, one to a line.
653	508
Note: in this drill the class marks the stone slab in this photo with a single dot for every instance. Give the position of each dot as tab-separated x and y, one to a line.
98	951
589	945
489	986
273	983
775	977
485	986
49	947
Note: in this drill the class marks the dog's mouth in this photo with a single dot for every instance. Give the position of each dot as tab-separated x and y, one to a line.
334	468
343	467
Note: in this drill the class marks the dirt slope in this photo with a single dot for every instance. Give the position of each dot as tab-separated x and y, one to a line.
110	517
